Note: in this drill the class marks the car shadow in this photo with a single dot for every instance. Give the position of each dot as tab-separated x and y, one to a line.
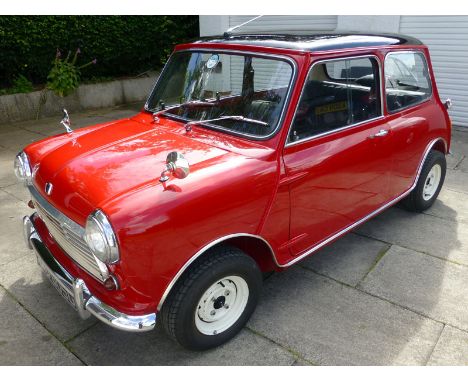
365	299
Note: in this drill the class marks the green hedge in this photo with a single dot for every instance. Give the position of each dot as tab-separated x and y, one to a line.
122	45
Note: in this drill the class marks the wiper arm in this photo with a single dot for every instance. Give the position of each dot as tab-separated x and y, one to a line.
188	125
401	83
194	103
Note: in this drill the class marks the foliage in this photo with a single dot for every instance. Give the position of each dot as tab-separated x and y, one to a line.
20	85
123	45
64	77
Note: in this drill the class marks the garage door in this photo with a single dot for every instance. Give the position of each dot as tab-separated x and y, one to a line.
447	39
280	24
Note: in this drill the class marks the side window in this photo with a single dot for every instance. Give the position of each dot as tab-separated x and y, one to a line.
337	94
407	80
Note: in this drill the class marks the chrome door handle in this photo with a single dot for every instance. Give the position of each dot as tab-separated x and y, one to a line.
381	133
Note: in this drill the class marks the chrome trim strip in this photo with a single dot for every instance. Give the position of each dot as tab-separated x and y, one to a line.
292	85
289	144
79	296
365	218
321	61
199	253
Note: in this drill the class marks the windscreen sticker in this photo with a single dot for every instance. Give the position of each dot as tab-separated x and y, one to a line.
331	108
213	61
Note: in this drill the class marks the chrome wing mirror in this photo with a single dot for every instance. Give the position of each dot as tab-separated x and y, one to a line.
177	165
66	121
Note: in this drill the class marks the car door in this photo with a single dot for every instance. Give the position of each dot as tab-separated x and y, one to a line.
337	156
412	112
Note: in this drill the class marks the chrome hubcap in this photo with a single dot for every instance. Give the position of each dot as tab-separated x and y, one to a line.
221	305
432	182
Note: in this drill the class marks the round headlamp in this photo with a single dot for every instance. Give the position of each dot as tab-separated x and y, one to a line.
101	238
22	167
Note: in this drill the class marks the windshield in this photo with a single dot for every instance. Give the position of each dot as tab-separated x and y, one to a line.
197	86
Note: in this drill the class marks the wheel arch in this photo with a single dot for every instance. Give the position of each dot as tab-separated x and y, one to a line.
440	145
253	245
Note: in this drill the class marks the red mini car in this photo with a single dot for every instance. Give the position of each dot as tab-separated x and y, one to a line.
251	153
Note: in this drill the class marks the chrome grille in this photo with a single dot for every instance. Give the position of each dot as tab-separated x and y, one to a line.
68	234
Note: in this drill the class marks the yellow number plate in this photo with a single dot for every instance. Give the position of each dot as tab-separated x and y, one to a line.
331	108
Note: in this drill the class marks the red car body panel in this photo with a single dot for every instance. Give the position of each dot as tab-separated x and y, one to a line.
294	197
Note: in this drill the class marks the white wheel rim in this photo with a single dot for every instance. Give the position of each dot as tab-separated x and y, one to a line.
221	305
432	182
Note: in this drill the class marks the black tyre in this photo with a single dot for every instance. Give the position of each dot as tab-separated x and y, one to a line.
429	184
214	299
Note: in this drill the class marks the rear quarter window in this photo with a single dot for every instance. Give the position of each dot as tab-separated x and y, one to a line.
407	81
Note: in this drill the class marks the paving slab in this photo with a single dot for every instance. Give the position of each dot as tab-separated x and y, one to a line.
300	362
25	281
451	349
17	139
7	173
454	160
348	259
53	127
8	127
27	130
459	143
19	192
422	283
463	165
118	113
456	180
447	239
328	323
102	345
458	147
12	244
450	205
23	341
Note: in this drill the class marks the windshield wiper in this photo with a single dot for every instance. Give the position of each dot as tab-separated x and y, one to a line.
193	103
188	125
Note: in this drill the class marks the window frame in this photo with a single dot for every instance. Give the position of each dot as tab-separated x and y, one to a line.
212	126
325	60
428	98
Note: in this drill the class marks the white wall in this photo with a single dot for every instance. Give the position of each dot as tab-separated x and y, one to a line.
217	25
389	24
213	25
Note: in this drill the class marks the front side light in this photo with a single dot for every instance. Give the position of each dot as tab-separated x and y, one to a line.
100	238
22	167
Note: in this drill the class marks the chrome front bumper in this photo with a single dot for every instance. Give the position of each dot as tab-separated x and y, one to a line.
75	292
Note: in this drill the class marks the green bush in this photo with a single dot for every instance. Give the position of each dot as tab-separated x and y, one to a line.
65	75
20	85
122	45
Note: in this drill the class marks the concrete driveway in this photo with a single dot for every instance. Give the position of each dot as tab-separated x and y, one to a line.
393	292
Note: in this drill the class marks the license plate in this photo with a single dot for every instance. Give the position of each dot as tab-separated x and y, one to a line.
57	285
